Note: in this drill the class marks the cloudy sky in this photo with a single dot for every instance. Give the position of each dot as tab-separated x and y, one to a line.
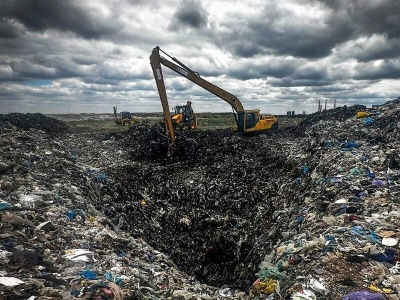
60	56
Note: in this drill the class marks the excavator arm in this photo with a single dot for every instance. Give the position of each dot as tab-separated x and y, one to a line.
247	121
183	70
155	62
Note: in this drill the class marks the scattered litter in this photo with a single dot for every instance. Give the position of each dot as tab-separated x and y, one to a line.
307	212
79	255
10	281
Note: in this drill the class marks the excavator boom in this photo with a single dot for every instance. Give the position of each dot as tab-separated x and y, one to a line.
155	62
247	120
183	70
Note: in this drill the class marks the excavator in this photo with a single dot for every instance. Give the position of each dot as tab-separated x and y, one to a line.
125	118
247	121
184	117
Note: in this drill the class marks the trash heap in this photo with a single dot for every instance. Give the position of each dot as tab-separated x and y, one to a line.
56	244
313	207
310	212
343	241
208	204
36	121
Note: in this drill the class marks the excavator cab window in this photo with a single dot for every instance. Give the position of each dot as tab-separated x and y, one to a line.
251	120
126	115
185	111
188	112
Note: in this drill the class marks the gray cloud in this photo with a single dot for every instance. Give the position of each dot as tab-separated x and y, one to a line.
272	54
41	15
273	31
385	70
375	50
290	82
189	14
7	28
254	70
43	67
276	29
246	49
32	71
82	59
370	16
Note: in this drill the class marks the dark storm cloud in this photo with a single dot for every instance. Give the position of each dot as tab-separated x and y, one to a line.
385	70
317	73
274	29
7	29
40	67
189	14
290	82
370	16
365	51
326	89
290	70
277	68
41	15
267	32
295	50
105	74
246	49
27	70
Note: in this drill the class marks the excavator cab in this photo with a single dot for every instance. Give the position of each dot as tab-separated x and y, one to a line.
125	118
250	121
126	115
184	117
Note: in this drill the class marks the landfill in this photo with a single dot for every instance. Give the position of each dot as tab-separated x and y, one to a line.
307	212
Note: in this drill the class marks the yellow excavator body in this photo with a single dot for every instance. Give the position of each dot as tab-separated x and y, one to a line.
184	117
125	118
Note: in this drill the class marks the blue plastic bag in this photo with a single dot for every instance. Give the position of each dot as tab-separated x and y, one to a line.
350	145
4	205
368	120
88	274
388	256
369	173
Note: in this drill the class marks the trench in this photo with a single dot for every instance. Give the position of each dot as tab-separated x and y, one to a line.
211	207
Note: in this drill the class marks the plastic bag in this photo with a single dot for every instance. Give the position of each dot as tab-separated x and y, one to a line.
363	295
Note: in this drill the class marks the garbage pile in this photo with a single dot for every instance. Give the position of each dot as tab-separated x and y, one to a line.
337	114
36	121
56	244
208	203
298	198
343	241
305	213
